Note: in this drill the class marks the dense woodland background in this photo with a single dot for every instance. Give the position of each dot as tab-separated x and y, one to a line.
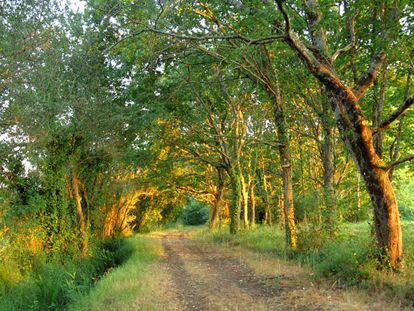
133	115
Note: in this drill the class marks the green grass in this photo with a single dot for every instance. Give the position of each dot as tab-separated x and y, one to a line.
121	288
54	283
348	260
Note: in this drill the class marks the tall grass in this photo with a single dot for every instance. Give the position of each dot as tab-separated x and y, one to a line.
53	284
123	286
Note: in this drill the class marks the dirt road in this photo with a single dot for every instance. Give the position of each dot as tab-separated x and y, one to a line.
201	276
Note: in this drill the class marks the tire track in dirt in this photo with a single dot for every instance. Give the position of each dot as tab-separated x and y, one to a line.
196	275
185	286
210	280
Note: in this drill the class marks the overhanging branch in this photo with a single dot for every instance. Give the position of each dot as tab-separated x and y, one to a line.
395	115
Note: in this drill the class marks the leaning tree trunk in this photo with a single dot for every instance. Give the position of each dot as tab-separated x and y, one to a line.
270	85
377	182
355	131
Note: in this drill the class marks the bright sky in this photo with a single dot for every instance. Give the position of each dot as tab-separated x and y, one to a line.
76	5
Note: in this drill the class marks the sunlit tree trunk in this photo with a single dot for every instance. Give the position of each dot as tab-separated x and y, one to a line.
245	200
236	200
281	210
79	211
252	200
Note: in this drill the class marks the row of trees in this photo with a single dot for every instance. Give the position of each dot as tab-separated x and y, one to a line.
269	112
231	74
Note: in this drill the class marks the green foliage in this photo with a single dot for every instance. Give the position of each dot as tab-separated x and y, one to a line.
405	191
194	213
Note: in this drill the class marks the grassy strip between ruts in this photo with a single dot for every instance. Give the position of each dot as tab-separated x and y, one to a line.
346	261
121	288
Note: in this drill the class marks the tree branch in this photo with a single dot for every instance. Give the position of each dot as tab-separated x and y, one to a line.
395	115
249	41
279	4
351	45
369	76
400	161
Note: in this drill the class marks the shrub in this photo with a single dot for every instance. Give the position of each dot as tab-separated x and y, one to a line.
345	260
195	213
311	238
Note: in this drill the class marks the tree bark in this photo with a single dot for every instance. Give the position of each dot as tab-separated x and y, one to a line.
218	199
271	87
286	166
378	107
79	211
328	170
235	207
252	199
245	200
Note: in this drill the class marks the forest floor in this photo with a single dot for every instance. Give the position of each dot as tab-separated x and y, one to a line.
192	274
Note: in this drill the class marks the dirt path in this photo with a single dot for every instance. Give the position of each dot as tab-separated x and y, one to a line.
201	276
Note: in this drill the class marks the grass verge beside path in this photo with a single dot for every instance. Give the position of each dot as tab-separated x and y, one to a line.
121	287
347	261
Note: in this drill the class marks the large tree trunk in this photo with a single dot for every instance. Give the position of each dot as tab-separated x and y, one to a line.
218	199
79	211
379	187
288	207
